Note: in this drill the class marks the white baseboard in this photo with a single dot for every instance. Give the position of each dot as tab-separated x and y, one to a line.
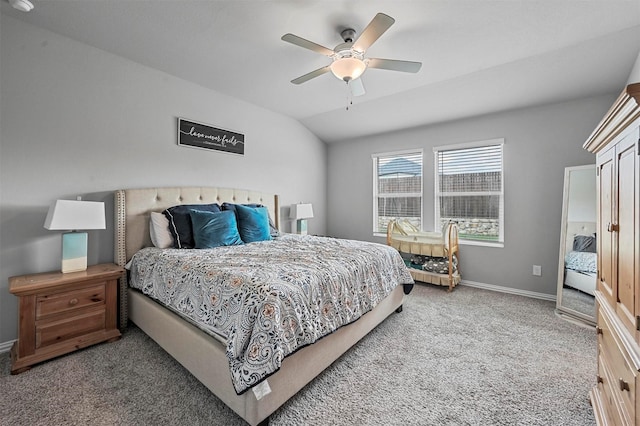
509	290
6	346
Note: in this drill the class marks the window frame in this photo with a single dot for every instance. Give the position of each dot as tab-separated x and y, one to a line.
375	157
436	187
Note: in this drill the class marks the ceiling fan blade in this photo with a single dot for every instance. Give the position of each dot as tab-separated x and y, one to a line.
378	25
299	41
312	74
357	87
394	65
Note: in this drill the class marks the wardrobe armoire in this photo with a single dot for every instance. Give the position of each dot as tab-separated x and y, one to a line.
615	141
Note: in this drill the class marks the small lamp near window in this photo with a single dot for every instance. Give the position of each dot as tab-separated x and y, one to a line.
69	215
300	213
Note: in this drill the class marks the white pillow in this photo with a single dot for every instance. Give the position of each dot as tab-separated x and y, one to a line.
159	231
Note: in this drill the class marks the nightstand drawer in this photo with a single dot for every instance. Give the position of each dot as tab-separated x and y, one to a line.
51	332
68	301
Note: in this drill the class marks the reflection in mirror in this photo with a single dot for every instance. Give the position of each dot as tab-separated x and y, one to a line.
577	263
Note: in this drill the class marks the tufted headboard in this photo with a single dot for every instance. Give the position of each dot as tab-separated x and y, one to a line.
133	209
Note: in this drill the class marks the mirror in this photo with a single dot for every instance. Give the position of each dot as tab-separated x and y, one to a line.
577	263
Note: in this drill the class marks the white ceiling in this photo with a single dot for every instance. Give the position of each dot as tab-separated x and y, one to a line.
478	56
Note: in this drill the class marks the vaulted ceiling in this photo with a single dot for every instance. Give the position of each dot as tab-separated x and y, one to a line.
478	56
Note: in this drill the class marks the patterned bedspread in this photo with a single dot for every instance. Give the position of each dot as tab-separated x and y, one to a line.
270	298
581	261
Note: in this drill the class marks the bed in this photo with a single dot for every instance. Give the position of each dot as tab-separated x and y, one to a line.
580	262
205	355
432	257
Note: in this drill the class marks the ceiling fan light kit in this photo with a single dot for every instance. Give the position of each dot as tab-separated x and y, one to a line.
348	69
348	58
348	63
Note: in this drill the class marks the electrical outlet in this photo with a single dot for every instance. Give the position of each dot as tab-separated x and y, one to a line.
537	270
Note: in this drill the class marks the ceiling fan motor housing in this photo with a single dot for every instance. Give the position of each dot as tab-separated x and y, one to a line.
346	50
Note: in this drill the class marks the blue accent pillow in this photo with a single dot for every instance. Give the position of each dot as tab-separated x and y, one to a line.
214	229
180	222
253	223
273	231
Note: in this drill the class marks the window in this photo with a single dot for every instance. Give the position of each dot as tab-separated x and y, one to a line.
397	188
469	189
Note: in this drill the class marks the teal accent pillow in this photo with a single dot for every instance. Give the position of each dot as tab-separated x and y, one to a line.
180	222
272	226
253	223
214	229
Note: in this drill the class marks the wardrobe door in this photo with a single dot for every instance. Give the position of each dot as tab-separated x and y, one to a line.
626	159
605	238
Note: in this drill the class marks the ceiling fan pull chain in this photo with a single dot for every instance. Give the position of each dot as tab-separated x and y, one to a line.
349	96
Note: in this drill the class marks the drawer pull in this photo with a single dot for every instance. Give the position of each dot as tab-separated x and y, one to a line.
73	302
598	329
600	379
624	386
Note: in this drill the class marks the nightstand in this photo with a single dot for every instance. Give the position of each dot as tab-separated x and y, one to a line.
60	313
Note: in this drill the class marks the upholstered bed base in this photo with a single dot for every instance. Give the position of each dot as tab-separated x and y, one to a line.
580	281
205	357
201	354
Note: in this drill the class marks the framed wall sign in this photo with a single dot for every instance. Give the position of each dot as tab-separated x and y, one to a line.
200	135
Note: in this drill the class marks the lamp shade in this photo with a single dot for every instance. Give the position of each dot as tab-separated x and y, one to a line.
301	211
70	215
348	69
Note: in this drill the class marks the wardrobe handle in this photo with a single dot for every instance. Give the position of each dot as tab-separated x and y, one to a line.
624	386
612	227
598	330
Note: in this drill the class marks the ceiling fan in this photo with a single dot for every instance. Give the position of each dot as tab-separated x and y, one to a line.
348	58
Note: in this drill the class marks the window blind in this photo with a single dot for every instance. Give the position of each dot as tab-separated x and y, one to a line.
397	188
469	190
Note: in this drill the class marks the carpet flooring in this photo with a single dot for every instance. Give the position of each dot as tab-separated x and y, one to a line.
470	357
579	301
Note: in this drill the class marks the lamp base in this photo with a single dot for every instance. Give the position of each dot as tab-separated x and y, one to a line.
74	251
301	227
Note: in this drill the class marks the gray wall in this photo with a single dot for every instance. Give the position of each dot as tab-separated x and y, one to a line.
539	143
80	121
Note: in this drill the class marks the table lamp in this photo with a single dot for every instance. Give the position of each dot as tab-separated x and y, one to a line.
300	213
70	215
